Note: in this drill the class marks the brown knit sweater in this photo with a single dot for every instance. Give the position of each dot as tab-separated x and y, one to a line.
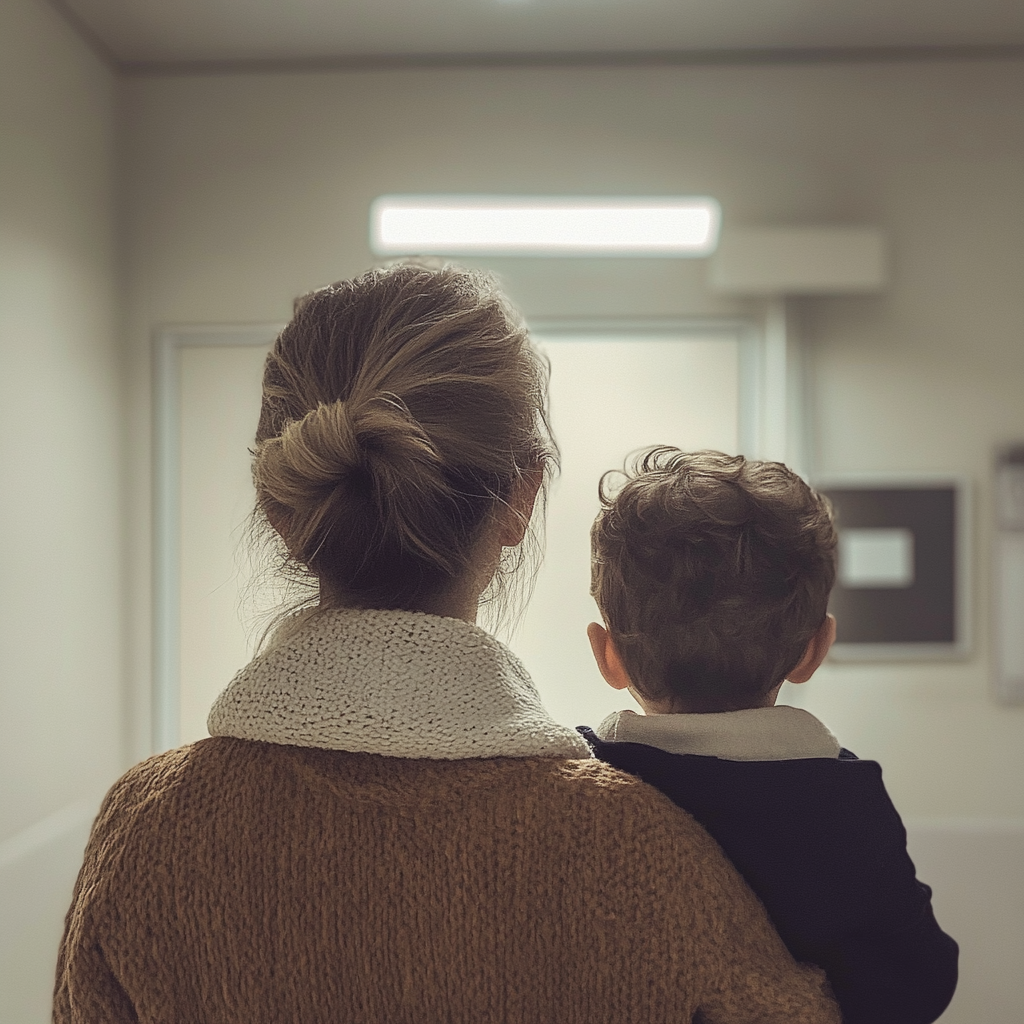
239	881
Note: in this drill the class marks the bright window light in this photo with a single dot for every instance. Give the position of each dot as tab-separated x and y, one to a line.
542	226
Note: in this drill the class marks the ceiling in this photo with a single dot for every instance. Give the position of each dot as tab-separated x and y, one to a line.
147	34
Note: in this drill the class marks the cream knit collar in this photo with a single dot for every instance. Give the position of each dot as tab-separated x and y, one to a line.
759	734
403	684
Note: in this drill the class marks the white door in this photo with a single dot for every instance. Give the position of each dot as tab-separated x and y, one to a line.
612	395
220	405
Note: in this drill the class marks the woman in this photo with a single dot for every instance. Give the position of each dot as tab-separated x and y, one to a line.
385	825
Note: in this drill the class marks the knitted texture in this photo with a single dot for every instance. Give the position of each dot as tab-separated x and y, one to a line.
404	684
237	881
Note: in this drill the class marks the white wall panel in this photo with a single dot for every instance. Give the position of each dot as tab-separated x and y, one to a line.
974	868
35	893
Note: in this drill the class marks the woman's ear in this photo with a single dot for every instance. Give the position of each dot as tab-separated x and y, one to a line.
814	653
281	525
517	512
607	657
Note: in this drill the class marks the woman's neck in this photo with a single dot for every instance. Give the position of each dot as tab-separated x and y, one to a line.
457	603
461	598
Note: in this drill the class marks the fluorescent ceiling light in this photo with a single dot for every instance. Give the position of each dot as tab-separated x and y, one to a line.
543	226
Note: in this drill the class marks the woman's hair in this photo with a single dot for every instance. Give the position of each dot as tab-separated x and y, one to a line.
712	572
399	410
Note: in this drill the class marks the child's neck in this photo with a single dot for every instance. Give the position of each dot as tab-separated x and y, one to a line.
679	707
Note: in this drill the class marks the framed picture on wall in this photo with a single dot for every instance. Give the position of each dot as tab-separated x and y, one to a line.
903	583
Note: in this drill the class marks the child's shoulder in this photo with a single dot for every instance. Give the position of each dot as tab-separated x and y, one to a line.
842	784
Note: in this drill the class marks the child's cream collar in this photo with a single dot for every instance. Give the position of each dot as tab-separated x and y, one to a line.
760	734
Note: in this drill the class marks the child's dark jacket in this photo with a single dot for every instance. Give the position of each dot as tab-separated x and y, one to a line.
820	842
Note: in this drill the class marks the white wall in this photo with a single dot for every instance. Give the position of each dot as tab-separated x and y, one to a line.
247	190
61	738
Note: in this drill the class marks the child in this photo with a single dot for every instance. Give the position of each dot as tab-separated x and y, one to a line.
713	575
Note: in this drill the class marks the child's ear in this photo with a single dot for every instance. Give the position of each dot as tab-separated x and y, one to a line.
607	657
814	653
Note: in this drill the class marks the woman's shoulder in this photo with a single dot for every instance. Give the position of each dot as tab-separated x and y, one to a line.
224	779
164	782
604	789
639	819
165	772
221	764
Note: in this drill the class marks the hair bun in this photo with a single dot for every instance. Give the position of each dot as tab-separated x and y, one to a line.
319	450
344	452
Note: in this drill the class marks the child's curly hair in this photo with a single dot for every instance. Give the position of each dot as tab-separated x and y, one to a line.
712	572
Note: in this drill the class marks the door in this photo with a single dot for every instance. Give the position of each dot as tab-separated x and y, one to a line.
612	394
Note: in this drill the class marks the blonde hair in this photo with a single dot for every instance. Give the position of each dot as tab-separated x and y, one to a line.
399	409
712	572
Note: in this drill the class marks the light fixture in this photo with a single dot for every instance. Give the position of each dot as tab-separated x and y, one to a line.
544	226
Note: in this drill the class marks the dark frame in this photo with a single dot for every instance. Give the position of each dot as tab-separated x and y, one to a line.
930	619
